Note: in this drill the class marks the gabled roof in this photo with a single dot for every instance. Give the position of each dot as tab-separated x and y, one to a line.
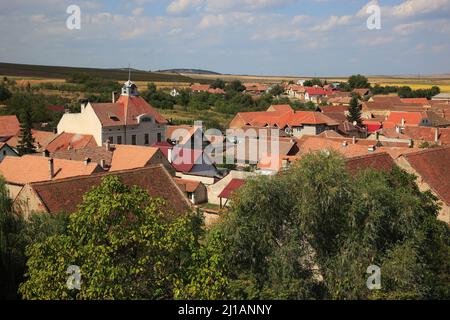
233	186
9	126
34	168
433	166
66	194
66	141
95	154
377	161
313	91
41	139
126	110
188	185
409	118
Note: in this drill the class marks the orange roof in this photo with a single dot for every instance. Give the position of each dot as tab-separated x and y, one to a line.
283	108
409	118
67	140
33	168
41	139
9	126
378	161
131	157
189	130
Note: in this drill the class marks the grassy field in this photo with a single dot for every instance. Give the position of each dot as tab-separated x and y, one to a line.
211	118
36	72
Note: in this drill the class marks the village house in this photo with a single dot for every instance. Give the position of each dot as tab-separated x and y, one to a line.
6	151
256	88
441	97
195	190
19	171
316	94
293	123
296	92
64	195
129	120
431	166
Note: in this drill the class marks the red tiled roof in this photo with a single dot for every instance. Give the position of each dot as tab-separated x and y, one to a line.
234	185
377	161
41	139
154	179
127	157
113	114
66	141
433	166
326	109
9	126
313	91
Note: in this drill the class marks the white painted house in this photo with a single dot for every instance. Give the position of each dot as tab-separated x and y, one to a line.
129	120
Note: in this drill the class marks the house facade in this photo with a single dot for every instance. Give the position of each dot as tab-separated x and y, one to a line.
129	120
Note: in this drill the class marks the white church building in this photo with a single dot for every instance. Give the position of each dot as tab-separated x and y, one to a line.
129	120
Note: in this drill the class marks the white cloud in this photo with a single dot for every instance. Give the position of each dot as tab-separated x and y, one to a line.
183	6
333	22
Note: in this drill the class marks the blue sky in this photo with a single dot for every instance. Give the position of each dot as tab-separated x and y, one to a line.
264	37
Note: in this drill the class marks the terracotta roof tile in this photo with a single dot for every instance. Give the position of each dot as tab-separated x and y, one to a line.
66	141
377	161
433	166
34	168
9	126
131	157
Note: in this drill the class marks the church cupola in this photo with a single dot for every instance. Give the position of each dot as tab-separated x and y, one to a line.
129	89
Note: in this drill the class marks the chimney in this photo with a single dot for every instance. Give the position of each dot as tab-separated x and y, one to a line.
354	140
108	145
113	97
45	153
436	135
371	149
51	168
344	144
103	163
411	143
87	161
403	122
169	155
397	129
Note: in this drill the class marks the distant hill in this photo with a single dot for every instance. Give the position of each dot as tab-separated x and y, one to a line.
190	71
59	72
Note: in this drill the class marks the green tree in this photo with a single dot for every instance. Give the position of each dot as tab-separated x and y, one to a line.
234	86
354	111
5	94
312	232
276	90
127	246
218	84
313	82
358	81
26	140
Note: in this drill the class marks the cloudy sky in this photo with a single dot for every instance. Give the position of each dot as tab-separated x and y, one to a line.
265	37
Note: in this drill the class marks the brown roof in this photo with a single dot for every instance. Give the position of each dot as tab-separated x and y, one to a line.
9	126
233	186
188	185
377	161
66	141
433	166
34	168
125	111
65	195
95	154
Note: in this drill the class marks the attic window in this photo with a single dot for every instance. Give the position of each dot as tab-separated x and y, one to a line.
113	117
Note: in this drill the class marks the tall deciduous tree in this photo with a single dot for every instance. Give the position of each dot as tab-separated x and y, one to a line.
358	81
